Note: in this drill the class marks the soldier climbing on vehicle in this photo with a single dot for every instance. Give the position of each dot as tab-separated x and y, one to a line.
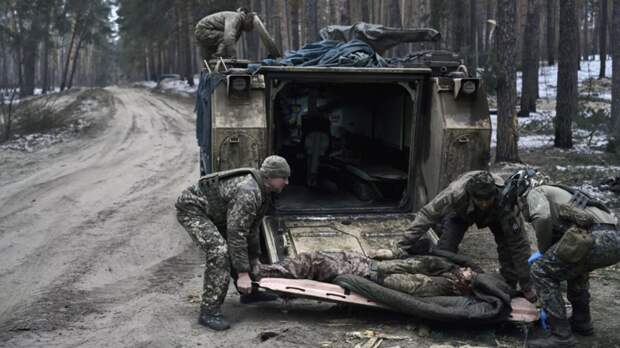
218	33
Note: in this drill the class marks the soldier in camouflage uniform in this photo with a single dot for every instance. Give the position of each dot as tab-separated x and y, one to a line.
420	275
553	212
222	213
218	33
473	198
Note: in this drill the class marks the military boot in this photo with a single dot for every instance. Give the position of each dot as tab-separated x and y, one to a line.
560	336
581	321
215	320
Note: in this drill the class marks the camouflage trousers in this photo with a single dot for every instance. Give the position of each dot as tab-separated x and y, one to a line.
211	43
217	264
417	276
549	271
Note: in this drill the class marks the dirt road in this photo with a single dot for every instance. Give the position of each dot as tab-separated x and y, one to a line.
91	253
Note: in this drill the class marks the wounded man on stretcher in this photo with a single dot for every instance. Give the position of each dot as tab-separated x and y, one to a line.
444	287
422	275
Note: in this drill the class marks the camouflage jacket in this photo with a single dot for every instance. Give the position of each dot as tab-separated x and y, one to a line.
453	198
541	210
228	22
237	209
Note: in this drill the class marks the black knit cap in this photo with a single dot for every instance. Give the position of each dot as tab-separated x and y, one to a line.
481	185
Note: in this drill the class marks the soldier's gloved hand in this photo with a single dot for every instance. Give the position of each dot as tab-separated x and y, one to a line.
244	283
530	294
535	256
255	264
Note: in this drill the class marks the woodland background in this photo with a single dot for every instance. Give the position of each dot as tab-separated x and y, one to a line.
50	45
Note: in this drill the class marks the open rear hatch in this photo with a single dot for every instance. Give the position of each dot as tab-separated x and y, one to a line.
289	235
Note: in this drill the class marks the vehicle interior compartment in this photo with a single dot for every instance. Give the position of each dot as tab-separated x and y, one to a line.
348	145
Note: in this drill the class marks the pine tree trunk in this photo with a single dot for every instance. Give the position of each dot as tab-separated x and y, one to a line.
294	13
437	12
506	40
184	12
473	36
46	41
568	63
551	46
75	61
586	22
366	10
65	71
310	18
602	36
614	144
530	54
345	15
457	19
395	21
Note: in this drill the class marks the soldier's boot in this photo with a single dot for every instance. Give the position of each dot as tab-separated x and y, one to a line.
581	321
213	320
560	336
258	296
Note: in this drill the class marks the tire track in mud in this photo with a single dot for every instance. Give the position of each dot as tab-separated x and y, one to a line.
142	183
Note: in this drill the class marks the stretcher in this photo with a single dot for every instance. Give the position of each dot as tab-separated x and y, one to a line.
522	310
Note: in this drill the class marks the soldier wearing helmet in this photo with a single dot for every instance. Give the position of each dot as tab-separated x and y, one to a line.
218	33
222	213
575	234
474	198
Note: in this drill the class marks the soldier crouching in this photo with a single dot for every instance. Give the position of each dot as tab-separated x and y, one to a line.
222	214
575	235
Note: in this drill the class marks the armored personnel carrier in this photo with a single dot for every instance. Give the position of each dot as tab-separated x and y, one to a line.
368	146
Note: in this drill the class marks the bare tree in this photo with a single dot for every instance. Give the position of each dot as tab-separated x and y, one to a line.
530	55
614	144
602	36
505	41
568	63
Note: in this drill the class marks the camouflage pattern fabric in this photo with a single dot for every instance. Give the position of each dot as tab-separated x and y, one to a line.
225	228
418	276
451	213
217	264
218	33
543	206
549	271
321	266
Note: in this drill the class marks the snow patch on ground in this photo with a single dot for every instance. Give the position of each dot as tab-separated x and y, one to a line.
583	140
171	85
178	86
146	84
598	168
548	77
604	196
35	141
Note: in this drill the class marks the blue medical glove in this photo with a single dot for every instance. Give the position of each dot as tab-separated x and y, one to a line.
535	256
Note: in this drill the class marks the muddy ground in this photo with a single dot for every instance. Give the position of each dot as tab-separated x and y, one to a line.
91	253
